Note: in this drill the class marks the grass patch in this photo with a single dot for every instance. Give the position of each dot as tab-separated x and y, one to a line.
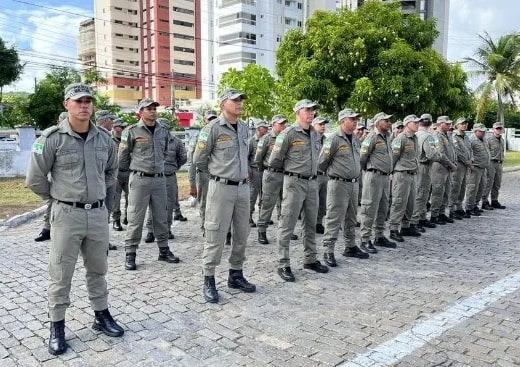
512	159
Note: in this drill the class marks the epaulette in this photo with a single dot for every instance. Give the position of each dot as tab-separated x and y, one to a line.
50	130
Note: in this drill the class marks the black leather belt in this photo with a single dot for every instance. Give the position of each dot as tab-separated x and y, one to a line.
75	204
426	163
377	171
343	179
496	160
274	170
321	173
123	170
225	181
409	172
169	174
310	178
139	173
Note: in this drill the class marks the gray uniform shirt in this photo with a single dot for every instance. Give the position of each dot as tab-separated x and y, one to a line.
264	149
445	149
496	148
462	147
141	151
176	156
376	152
253	144
80	169
339	157
222	151
480	152
296	151
405	152
427	151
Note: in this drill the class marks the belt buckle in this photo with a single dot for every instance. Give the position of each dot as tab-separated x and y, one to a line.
88	206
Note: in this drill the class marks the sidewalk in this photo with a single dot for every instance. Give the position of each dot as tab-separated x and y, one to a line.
447	298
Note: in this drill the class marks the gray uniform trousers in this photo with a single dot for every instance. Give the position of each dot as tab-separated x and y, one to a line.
403	200
121	186
202	193
441	186
475	186
494	181
423	192
458	188
299	195
322	197
255	186
146	191
374	204
47	215
227	205
172	202
75	230
342	203
272	186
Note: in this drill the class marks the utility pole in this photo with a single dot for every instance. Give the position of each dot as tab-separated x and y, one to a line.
173	96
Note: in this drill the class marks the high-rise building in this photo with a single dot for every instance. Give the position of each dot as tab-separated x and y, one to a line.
425	9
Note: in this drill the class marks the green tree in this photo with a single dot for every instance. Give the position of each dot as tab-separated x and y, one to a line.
128	118
46	103
373	59
499	62
16	111
93	77
10	66
258	84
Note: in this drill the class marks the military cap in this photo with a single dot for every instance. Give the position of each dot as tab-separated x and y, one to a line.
360	126
103	115
147	102
279	119
460	120
77	90
63	116
443	119
410	118
231	94
381	116
305	103
347	112
426	116
260	123
319	120
397	124
479	127
498	125
210	114
119	123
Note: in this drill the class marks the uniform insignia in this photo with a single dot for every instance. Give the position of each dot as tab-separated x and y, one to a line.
327	143
298	143
396	144
37	147
203	136
366	142
224	138
344	147
279	139
124	135
326	151
141	139
260	143
201	145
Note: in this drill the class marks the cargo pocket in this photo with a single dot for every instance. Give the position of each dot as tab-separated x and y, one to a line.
211	229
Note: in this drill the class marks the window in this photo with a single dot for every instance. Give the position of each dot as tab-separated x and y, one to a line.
241	17
299	5
226	3
183	62
184	49
240	37
182	10
183	36
184	76
182	23
299	23
287	3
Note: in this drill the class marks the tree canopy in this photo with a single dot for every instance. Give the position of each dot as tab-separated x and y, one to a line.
10	66
373	59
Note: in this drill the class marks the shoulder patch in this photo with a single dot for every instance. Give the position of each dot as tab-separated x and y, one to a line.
203	136
124	135
37	147
261	143
279	139
396	144
366	142
327	143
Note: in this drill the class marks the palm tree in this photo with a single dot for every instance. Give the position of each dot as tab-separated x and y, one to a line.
499	62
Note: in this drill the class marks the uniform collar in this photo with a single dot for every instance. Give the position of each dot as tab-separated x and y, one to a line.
66	128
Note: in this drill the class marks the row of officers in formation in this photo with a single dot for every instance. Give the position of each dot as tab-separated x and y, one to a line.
83	169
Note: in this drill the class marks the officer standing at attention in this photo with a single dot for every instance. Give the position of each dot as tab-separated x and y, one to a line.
82	161
404	158
496	146
296	152
376	161
476	178
122	180
199	180
397	128
45	234
222	152
319	125
143	150
462	147
255	175
339	158
441	172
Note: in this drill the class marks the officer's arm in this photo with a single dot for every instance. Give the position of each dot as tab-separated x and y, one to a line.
40	164
443	158
203	149
166	144
112	166
251	151
397	150
366	149
125	150
327	152
261	150
280	148
182	156
430	149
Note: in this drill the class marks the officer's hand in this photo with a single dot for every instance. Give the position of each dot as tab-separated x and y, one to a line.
193	191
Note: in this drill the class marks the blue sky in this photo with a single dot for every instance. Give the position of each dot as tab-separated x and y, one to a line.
45	31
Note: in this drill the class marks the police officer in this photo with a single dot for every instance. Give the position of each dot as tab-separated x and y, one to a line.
255	175
82	161
404	151
319	123
122	179
143	150
272	180
175	159
339	158
496	146
376	161
441	172
397	128
296	152
480	162
45	234
222	152
462	147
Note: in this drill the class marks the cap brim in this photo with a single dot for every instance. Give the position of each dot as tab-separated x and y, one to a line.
80	95
236	95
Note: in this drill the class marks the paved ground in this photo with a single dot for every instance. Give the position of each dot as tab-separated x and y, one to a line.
450	298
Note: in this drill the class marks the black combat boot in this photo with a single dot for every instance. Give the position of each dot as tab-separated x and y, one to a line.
252	223
262	238
445	218
320	229
112	247
130	261
384	242
149	238
125	220
170	235
486	206
104	322
495	204
368	247
166	255
437	220
236	280
180	217
294	237
455	215
395	235
412	231
117	225
57	344
355	252
426	223
474	213
44	235
329	259
210	290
